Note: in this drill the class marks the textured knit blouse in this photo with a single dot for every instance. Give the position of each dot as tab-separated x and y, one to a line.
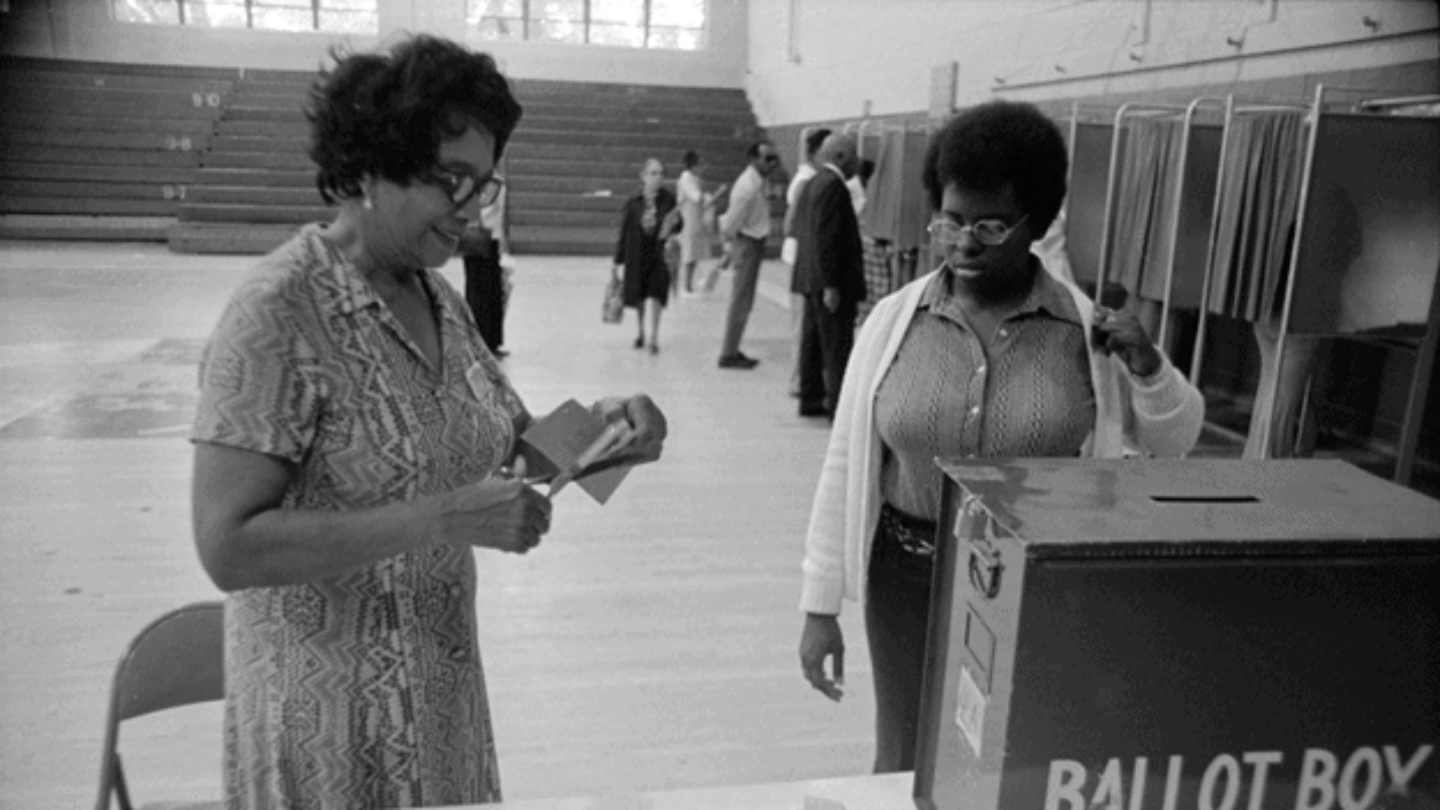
943	396
362	688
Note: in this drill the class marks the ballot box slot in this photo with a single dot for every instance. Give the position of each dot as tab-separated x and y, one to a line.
1204	499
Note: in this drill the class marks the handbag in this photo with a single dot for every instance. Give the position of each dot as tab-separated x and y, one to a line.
612	308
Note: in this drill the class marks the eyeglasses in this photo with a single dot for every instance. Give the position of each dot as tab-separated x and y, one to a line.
989	232
462	188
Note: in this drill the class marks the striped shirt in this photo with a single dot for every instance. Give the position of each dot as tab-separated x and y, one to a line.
1030	396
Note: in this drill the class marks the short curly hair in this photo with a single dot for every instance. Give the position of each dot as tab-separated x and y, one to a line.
997	144
386	114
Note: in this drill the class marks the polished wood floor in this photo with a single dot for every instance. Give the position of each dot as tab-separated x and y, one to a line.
645	645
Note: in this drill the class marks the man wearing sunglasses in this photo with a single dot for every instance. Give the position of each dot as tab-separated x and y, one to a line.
747	224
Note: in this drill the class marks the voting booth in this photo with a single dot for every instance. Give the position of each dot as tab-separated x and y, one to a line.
1175	634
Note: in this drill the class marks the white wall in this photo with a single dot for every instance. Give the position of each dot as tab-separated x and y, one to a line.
83	30
820	60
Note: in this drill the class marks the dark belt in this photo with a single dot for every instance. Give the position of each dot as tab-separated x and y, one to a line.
913	535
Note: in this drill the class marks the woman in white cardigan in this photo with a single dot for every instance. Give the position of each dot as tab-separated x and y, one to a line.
988	356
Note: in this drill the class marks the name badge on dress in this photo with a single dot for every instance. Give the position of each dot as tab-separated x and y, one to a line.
479	383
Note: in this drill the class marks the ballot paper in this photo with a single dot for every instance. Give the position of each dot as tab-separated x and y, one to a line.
573	445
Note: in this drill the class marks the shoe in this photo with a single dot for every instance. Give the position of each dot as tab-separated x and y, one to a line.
738	360
500	352
654	348
640	342
809	409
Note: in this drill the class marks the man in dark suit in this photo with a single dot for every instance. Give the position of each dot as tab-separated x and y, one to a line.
830	274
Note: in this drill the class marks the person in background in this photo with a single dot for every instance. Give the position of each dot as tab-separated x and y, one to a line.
639	251
693	239
810	143
746	222
988	356
830	273
482	247
355	441
857	183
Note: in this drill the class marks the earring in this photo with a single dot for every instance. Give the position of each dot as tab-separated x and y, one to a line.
366	204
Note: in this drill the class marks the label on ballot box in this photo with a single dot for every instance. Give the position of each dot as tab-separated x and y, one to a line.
1309	779
1181	635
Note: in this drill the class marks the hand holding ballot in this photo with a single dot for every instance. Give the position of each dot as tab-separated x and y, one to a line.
600	455
648	428
593	447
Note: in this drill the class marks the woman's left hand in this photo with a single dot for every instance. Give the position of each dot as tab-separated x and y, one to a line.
1117	331
646	421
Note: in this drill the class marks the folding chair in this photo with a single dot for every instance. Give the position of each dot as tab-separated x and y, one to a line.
177	660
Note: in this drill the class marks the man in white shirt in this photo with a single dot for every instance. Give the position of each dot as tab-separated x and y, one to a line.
747	223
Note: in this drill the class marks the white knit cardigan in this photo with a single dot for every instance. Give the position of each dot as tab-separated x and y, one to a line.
1162	418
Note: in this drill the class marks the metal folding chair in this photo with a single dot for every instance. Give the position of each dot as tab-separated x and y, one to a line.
177	660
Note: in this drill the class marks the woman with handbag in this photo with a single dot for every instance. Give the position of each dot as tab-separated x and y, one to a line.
640	251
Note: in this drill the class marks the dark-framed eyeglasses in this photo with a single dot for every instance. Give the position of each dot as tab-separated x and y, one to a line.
988	232
462	188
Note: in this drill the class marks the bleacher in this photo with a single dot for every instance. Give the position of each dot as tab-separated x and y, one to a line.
92	151
213	160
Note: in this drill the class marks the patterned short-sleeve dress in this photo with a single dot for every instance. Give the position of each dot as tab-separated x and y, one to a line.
364	688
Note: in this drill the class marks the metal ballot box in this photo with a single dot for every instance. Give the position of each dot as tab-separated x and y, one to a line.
1178	634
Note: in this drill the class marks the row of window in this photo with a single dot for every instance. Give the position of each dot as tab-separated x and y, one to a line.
669	24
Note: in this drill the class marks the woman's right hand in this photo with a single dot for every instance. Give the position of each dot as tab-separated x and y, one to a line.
823	639
501	512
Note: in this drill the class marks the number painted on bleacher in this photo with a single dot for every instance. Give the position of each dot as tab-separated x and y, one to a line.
212	100
197	100
173	192
181	144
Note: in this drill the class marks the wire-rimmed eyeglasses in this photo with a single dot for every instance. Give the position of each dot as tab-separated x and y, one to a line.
989	232
462	188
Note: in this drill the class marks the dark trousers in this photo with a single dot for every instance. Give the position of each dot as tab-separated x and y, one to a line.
826	339
745	256
485	293
897	615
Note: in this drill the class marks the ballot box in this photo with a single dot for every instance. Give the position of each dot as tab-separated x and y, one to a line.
1181	634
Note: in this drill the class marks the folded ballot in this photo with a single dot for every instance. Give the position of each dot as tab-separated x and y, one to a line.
572	445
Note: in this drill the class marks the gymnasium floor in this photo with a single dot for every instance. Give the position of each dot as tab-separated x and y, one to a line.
646	645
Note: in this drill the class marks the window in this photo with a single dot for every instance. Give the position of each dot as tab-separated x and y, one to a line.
668	24
341	16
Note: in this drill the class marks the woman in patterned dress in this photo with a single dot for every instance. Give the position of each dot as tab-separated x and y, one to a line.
988	356
352	443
